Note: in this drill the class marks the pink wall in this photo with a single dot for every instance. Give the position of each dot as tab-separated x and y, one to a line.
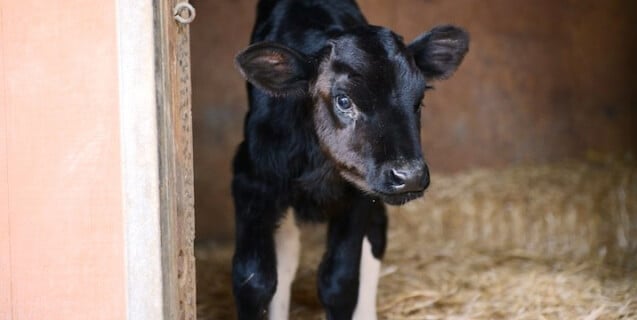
61	227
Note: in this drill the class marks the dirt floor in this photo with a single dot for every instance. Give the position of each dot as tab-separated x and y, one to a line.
542	242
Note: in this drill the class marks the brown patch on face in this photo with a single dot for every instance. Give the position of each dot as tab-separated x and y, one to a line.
341	143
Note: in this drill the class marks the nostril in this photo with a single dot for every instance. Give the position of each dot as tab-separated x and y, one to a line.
398	178
400	175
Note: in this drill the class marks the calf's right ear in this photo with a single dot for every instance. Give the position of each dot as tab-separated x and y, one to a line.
274	68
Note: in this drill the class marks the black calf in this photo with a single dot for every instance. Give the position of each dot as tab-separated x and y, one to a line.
333	131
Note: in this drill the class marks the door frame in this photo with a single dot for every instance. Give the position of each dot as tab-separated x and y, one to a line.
156	158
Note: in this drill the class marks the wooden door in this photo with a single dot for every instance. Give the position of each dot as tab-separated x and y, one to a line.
96	200
61	220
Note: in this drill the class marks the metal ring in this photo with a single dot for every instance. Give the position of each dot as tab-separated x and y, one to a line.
182	7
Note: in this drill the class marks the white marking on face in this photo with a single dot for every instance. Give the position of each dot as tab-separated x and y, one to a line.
368	284
288	245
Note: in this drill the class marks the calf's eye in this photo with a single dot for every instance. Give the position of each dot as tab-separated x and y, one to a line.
343	102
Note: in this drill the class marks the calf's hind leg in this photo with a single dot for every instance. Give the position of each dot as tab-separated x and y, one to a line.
288	244
373	250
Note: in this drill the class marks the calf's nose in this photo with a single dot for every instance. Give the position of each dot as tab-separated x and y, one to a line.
408	177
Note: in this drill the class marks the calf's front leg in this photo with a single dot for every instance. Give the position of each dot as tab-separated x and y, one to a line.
254	273
340	271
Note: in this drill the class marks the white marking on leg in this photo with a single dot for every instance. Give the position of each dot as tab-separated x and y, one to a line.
368	284
288	245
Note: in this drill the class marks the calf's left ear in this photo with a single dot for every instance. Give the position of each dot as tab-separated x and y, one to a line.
274	68
439	52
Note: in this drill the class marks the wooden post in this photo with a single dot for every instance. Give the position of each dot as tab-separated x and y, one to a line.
175	163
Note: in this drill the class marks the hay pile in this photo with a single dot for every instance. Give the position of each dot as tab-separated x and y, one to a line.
549	242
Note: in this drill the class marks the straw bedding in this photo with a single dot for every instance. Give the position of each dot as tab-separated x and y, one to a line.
535	242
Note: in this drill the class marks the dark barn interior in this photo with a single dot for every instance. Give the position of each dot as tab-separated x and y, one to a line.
531	144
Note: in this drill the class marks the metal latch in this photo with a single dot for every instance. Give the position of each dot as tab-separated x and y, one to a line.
184	12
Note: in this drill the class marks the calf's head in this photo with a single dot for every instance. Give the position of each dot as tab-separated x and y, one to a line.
367	88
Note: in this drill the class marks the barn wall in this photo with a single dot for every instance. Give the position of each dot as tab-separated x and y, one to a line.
543	81
61	239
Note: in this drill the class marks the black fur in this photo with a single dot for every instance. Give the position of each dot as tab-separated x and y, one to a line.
328	163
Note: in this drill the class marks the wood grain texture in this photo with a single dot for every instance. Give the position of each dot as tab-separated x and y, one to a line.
60	185
176	171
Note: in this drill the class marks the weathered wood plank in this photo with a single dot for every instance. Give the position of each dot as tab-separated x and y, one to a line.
176	171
